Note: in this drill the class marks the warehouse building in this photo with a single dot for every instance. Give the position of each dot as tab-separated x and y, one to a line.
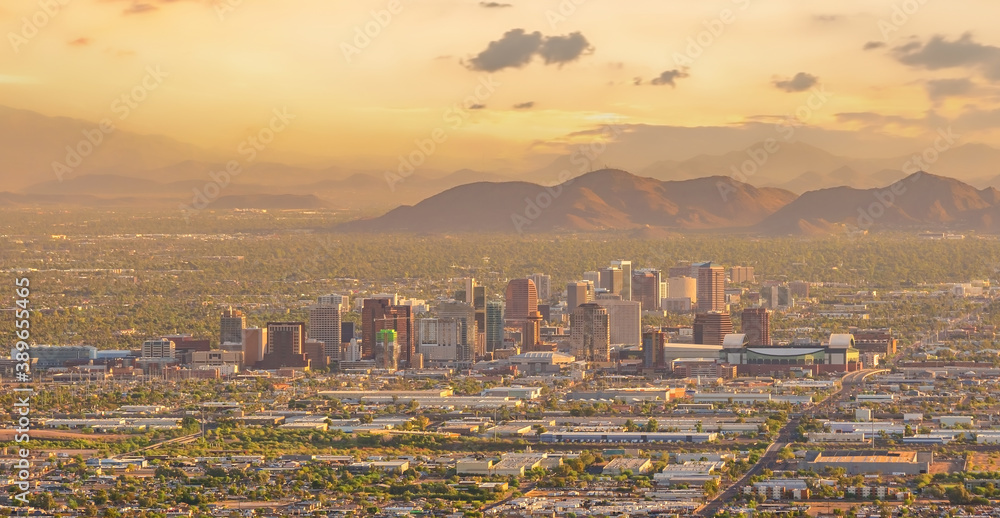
871	462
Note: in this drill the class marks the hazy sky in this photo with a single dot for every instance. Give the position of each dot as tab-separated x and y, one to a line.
537	72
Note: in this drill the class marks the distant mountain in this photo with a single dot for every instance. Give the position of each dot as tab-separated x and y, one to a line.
919	201
600	200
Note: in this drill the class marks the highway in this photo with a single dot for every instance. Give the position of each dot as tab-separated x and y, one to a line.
849	385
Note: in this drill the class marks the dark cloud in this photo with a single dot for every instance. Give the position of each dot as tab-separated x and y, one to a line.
939	53
477	106
802	81
668	77
525	105
80	42
493	5
139	8
872	45
516	48
564	49
941	88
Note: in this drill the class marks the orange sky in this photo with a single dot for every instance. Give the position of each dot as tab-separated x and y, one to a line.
228	63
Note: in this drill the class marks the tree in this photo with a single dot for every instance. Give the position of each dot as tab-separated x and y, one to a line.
652	425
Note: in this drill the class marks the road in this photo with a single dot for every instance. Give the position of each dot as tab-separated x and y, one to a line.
849	384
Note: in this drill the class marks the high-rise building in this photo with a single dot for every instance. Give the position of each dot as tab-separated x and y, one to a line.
624	321
531	336
160	348
521	299
231	326
593	277
741	274
578	292
254	345
465	314
710	328
284	348
470	290
386	349
335	298
756	324
347	331
683	287
646	288
324	325
589	333
654	350
711	288
613	280
626	268
494	325
683	270
479	304
380	313
541	285
799	289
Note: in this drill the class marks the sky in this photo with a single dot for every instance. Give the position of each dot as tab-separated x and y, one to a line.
501	84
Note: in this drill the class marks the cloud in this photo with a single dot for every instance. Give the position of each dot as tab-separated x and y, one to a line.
802	81
940	88
975	119
525	105
667	77
872	45
939	53
564	49
477	106
516	48
139	8
870	119
80	42
493	5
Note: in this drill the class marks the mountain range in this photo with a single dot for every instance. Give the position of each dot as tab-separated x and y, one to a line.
614	200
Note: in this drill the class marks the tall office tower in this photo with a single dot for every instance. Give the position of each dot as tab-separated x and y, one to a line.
626	268
654	350
624	321
741	274
315	351
254	343
335	298
494	325
593	277
400	320
324	325
711	288
479	303
352	351
646	288
756	324
470	289
466	314
372	310
285	338
769	296
683	287
546	311
711	328
522	299
231	326
785	296
347	331
541	285
578	292
386	349
613	280
160	348
589	333
531	334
